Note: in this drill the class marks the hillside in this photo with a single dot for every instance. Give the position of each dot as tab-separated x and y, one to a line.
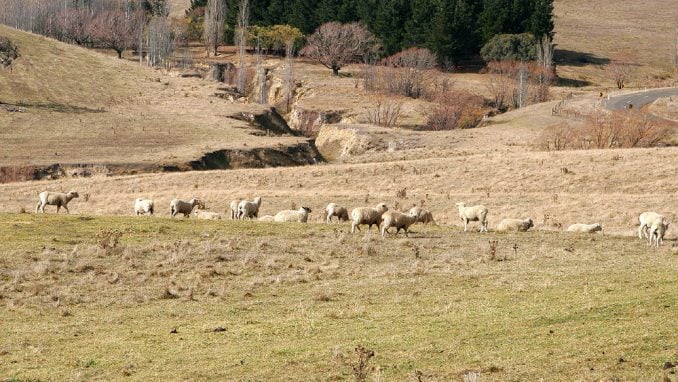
82	107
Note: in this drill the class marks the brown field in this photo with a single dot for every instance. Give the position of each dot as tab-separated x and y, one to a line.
252	301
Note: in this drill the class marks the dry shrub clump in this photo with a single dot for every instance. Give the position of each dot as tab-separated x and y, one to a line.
454	110
516	84
402	74
620	129
386	112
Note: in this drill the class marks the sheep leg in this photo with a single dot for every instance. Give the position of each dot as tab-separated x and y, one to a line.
353	227
58	207
66	208
38	207
465	224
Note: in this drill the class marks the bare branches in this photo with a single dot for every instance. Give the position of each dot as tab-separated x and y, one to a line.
215	18
241	41
620	68
116	29
334	45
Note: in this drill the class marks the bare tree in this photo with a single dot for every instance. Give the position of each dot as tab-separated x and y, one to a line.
160	43
215	17
620	68
289	83
116	29
334	44
241	41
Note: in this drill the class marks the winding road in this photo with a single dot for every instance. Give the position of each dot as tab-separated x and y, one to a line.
639	99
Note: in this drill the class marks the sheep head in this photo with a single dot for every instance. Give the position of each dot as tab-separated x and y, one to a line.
73	194
381	207
307	209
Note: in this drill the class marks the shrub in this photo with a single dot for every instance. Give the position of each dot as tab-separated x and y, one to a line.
385	113
510	47
402	74
454	110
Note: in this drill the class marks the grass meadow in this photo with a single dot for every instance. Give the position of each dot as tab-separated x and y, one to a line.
223	300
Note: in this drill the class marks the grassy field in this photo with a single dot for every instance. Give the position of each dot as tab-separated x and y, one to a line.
295	300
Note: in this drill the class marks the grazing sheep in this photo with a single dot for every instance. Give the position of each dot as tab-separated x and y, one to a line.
423	216
340	212
585	228
249	209
207	215
58	199
367	215
267	218
300	215
143	206
657	232
647	219
518	225
398	220
234	208
472	214
178	206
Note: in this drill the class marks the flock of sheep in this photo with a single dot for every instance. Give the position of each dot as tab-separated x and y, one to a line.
653	226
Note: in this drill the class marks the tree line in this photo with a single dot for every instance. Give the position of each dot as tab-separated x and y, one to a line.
455	30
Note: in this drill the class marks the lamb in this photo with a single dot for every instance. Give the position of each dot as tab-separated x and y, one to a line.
178	206
143	206
340	212
58	199
234	208
518	225
249	209
300	215
423	216
585	228
367	215
398	220
657	232
473	213
207	215
647	219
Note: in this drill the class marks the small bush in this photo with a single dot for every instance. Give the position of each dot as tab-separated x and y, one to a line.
454	110
108	238
385	113
360	369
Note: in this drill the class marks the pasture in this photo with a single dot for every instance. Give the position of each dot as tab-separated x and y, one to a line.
199	300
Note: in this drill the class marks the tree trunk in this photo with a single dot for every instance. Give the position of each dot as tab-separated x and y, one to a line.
119	51
335	71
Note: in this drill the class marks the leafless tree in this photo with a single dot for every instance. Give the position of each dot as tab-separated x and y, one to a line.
241	41
160	40
334	44
620	68
288	79
215	17
116	29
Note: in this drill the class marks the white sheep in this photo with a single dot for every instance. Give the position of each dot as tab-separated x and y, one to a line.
585	228
207	215
657	232
178	206
647	219
58	199
423	216
267	218
367	215
518	225
143	206
300	215
340	212
234	208
471	214
398	220
249	209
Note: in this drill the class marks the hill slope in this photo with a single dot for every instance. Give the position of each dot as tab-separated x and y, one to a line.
84	107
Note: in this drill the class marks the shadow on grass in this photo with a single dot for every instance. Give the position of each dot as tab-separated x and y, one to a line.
58	107
573	58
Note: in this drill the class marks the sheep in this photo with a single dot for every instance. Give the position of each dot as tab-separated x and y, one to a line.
367	215
657	232
423	216
178	206
300	215
234	208
585	228
267	218
207	215
143	206
647	219
249	209
398	220
518	225
340	212
58	199
471	214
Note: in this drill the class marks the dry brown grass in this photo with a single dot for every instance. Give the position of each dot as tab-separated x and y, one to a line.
84	107
593	32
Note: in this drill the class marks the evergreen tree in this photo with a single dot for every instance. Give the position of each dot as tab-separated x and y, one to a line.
453	34
301	15
418	26
390	17
541	20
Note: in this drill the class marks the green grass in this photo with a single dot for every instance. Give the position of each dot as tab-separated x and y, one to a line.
295	300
